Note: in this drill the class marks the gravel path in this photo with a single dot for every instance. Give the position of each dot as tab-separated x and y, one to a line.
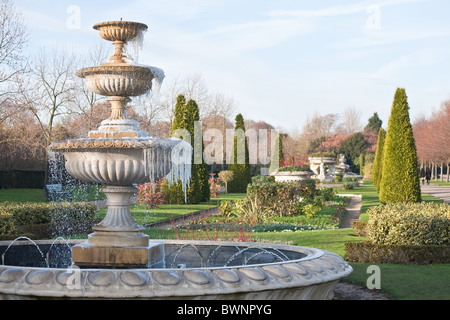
348	291
353	212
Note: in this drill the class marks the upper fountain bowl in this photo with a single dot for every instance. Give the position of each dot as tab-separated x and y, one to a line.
120	30
119	80
120	76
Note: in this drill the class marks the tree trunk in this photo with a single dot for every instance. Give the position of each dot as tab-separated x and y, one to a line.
448	173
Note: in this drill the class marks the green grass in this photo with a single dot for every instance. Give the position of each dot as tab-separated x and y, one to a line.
440	183
408	282
144	215
330	240
22	195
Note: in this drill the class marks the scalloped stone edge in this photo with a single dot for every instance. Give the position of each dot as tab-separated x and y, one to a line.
311	277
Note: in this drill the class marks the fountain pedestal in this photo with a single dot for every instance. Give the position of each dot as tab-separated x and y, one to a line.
85	255
118	240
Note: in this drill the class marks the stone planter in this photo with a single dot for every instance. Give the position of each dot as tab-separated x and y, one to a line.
323	167
301	177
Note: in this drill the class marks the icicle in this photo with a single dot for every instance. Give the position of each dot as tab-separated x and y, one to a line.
181	166
158	160
159	78
135	46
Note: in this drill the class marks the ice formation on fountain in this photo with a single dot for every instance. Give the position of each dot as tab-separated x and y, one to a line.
181	166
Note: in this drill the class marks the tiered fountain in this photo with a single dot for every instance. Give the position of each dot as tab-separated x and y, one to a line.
118	155
118	260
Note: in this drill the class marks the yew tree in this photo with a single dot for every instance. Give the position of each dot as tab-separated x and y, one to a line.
378	161
400	174
240	161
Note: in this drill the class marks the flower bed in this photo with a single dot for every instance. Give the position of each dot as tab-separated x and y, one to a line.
329	216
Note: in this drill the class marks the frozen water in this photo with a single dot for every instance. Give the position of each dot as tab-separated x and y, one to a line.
134	47
181	165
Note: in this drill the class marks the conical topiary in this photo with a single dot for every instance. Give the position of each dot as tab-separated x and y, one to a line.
240	159
378	161
202	190
277	159
400	174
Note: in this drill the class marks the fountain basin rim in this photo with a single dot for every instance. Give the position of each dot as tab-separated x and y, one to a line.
312	253
120	23
319	271
117	69
290	173
109	143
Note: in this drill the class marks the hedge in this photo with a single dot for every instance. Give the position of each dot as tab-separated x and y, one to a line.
47	219
360	228
414	233
410	224
31	179
368	252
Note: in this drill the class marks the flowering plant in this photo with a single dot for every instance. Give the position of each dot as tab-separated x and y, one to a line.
214	186
150	194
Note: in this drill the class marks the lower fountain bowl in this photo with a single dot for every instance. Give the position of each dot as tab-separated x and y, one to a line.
120	162
193	270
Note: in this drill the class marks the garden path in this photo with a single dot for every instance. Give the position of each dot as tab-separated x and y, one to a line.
441	192
353	212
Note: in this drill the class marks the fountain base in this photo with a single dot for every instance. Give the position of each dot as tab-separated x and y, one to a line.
85	255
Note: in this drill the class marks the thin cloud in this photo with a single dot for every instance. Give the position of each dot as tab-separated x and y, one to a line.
390	37
334	11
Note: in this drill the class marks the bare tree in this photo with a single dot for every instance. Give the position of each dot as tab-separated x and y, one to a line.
13	37
295	147
168	98
49	92
351	121
194	87
320	126
85	100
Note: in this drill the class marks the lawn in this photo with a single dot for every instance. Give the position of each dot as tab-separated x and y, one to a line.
408	282
440	183
144	215
22	195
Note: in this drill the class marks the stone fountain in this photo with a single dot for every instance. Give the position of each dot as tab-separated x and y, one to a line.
118	260
118	155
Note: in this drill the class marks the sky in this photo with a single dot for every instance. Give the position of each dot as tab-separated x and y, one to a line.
281	61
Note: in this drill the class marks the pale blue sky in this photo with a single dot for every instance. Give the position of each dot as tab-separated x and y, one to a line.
279	60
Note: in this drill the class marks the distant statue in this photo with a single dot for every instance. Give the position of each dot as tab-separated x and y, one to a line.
342	159
342	167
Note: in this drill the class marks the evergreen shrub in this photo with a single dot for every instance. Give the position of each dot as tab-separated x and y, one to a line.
281	198
400	174
368	252
60	219
410	224
241	171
